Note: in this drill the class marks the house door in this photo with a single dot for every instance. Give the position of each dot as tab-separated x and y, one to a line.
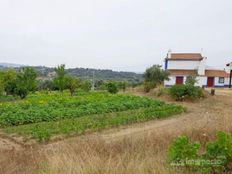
210	82
179	80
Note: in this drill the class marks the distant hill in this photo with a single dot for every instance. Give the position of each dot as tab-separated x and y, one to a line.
10	65
82	73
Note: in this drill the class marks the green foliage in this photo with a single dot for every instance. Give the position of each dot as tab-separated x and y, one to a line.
60	80
154	76
72	84
2	84
148	86
10	81
182	150
25	82
7	98
112	88
183	92
85	85
53	106
47	85
219	150
87	112
6	79
191	80
217	157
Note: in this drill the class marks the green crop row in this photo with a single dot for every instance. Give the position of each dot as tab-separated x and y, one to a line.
49	107
44	130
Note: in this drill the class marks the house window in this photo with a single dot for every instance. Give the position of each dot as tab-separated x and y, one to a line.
221	80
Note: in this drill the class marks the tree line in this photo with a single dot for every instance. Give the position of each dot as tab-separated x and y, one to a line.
21	82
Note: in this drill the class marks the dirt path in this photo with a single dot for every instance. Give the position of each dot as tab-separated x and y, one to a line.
199	114
7	143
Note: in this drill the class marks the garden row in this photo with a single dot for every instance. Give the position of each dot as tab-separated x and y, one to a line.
45	130
56	106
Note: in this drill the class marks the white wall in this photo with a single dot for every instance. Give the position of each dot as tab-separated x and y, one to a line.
186	65
201	81
227	81
172	81
216	82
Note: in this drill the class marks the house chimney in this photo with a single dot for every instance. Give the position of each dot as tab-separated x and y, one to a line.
201	67
228	67
169	54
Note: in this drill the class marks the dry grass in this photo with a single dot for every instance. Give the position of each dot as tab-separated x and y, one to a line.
135	153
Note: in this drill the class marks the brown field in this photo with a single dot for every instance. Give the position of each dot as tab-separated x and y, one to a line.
134	149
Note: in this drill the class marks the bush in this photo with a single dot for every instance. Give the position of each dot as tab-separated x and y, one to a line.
182	92
154	76
112	88
85	86
216	158
148	86
182	150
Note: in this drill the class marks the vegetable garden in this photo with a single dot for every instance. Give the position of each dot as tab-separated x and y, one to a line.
43	115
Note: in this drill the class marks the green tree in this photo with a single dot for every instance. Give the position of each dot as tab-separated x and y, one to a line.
72	84
46	85
154	76
112	88
25	82
9	79
2	84
86	86
60	80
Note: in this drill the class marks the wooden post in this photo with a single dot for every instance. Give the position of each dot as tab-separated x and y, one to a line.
212	92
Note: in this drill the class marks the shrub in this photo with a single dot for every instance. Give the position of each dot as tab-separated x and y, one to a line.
191	80
85	86
217	157
182	150
154	76
112	88
182	92
148	86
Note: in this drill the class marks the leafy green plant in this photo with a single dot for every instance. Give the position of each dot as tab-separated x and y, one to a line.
45	130
60	80
112	88
183	92
25	82
183	150
154	76
54	106
217	157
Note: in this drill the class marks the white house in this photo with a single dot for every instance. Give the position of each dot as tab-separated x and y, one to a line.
183	65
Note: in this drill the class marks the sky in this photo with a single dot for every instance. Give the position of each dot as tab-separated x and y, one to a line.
123	35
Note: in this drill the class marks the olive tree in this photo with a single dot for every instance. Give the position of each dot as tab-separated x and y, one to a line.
60	79
154	76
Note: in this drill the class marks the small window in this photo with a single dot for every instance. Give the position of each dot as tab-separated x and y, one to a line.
221	80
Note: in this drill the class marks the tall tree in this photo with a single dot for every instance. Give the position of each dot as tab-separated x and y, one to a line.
72	84
154	76
60	79
2	84
25	82
9	79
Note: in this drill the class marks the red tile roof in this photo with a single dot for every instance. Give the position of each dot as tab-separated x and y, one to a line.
208	73
185	56
217	73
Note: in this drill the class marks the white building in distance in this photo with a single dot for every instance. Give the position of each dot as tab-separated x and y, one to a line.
183	65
